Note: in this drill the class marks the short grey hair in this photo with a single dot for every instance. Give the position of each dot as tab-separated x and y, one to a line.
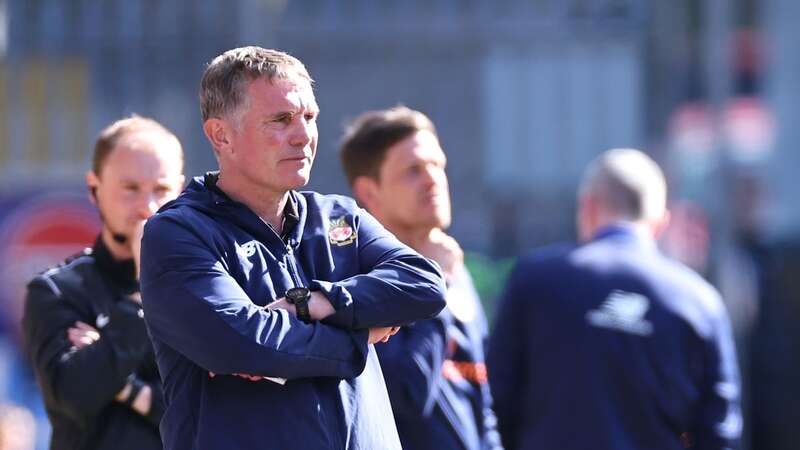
628	183
222	88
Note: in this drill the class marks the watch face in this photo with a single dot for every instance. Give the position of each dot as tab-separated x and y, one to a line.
297	294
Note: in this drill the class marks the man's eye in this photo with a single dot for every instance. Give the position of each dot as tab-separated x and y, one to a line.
310	117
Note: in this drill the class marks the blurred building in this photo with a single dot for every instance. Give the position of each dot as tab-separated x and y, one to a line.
524	92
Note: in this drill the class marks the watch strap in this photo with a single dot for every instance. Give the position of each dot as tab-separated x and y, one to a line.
301	307
300	297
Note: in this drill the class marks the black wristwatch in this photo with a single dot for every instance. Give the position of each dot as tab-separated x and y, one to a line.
299	297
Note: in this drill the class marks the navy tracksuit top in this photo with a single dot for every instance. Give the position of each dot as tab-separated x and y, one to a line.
612	346
209	265
436	375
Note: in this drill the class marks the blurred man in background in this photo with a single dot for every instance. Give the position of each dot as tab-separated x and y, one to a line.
83	323
434	369
609	345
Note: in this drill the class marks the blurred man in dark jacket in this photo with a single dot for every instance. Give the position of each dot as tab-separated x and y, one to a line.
609	345
434	369
83	322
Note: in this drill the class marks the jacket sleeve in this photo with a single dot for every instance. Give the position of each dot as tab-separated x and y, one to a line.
719	424
395	285
505	355
194	306
412	366
81	381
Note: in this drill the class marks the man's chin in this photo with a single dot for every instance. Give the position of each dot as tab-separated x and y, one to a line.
440	217
296	180
116	236
297	185
432	221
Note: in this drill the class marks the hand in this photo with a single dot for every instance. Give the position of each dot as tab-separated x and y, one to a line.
143	401
246	376
82	335
136	245
136	297
382	334
282	303
442	248
319	307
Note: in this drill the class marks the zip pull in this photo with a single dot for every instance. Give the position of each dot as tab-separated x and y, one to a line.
291	266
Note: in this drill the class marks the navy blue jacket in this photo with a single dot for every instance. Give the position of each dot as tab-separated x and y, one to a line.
612	346
436	376
209	265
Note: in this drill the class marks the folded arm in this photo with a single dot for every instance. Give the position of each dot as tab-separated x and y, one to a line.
194	306
82	380
395	284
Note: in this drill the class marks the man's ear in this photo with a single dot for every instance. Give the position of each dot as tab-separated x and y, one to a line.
658	227
180	182
586	217
365	190
219	133
92	182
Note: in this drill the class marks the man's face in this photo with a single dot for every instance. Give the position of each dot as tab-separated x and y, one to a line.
275	140
140	174
412	190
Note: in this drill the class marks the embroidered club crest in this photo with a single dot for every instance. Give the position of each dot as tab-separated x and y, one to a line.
341	233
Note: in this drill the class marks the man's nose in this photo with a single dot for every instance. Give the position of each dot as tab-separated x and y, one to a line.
303	133
433	175
148	205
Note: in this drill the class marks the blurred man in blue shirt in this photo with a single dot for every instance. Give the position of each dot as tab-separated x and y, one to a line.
609	345
434	369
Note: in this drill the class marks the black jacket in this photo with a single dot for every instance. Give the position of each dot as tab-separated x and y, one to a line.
79	385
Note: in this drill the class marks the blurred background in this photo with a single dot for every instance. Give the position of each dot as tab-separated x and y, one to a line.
524	94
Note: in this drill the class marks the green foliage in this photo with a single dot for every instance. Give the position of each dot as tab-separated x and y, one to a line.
490	276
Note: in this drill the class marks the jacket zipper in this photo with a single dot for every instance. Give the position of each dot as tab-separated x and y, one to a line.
292	265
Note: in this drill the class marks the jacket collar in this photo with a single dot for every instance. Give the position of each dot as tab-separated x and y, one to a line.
294	213
121	273
625	231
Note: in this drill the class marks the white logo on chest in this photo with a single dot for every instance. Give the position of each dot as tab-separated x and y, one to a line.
247	249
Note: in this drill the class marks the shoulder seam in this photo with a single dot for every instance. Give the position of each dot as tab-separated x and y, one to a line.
47	275
52	285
